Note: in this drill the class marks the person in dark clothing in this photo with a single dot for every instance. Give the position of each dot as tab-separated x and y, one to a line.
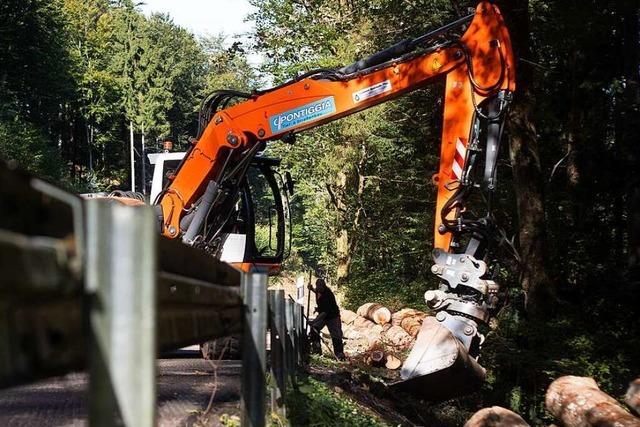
329	316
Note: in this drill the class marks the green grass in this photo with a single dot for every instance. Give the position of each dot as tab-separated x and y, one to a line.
317	404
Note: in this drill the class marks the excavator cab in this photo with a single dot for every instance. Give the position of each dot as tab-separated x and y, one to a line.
257	235
255	230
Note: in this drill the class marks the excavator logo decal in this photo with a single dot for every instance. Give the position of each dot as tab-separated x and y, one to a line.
305	113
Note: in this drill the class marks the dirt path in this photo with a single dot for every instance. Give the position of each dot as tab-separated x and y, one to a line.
394	408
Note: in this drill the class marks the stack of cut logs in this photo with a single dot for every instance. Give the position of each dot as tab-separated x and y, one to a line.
575	402
380	336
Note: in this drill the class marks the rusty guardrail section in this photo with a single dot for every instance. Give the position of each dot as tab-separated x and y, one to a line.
91	284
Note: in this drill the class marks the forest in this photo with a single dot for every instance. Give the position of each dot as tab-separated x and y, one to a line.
78	76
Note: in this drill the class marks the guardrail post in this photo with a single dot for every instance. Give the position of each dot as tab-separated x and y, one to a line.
296	335
278	339
121	285
281	327
291	346
254	350
302	334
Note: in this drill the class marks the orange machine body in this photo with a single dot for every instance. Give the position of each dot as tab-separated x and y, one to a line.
482	58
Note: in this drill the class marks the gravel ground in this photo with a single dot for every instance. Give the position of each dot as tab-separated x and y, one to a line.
185	386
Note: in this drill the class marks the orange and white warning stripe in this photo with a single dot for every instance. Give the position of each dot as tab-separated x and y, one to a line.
459	159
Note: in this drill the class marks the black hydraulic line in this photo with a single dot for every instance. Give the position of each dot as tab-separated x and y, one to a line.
395	51
439	31
201	212
402	48
494	135
330	73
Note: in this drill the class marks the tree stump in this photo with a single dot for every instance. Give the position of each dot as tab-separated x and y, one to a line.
377	358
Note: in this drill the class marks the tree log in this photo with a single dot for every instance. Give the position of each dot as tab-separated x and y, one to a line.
398	316
393	362
398	338
374	336
578	402
351	333
495	416
375	312
632	398
347	316
412	324
362	324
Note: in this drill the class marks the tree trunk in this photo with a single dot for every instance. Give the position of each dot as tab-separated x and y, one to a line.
527	173
349	185
629	121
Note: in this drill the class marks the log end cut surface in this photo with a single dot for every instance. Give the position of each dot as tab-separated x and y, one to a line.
496	416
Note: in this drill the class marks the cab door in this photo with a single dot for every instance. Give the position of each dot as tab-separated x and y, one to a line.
257	240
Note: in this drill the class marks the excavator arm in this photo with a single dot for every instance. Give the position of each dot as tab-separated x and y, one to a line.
479	68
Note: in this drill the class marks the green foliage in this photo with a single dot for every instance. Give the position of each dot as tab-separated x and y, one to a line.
30	148
81	71
315	404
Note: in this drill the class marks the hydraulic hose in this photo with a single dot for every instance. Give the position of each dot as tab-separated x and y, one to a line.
201	212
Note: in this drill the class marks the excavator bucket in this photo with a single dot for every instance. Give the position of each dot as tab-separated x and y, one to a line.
439	367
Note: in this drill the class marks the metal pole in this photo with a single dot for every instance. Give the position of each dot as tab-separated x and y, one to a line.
290	344
302	336
254	350
298	317
297	331
275	357
131	150
144	166
300	290
121	286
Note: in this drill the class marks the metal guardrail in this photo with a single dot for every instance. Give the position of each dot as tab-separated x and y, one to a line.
91	284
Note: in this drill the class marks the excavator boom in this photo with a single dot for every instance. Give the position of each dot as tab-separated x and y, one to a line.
200	203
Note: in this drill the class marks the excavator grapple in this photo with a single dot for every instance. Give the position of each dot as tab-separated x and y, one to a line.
442	363
439	366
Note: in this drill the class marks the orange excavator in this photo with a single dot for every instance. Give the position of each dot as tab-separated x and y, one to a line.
210	200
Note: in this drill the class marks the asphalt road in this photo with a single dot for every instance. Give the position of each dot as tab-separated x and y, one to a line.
185	387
